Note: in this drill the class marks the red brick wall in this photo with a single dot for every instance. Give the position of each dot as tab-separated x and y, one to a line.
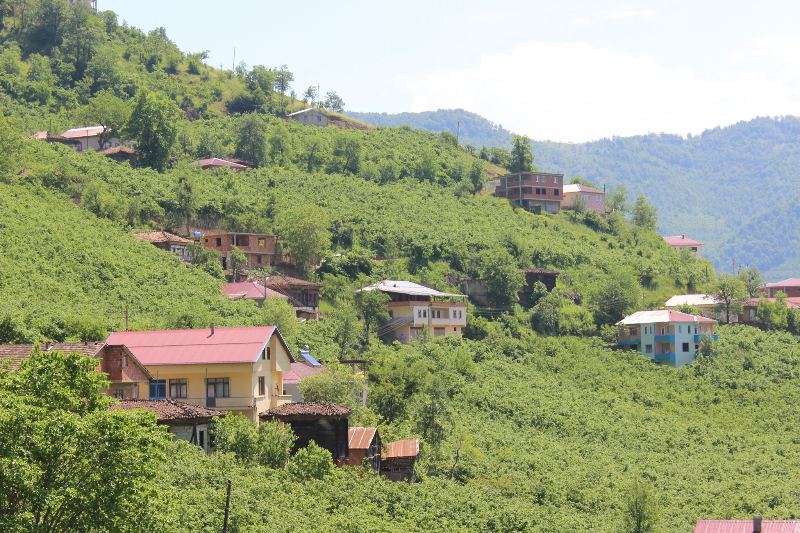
112	363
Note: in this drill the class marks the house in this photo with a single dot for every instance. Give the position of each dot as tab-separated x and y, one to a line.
89	138
300	370
310	116
166	241
756	525
364	443
53	138
324	423
789	287
230	369
259	249
184	421
250	290
122	154
593	199
216	162
666	337
749	314
682	243
709	304
534	191
413	308
124	371
303	295
397	462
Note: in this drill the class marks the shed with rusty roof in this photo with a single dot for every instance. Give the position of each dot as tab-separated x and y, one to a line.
398	460
364	443
323	422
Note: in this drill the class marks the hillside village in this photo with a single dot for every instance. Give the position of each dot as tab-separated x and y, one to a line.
206	279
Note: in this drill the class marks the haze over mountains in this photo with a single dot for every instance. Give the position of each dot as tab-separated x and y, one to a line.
733	188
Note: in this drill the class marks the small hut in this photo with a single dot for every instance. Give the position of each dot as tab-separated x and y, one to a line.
398	460
324	423
365	443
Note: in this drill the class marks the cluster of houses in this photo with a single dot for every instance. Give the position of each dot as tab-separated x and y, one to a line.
545	192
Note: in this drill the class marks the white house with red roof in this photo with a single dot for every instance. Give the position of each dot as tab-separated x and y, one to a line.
592	198
790	287
664	336
682	243
230	369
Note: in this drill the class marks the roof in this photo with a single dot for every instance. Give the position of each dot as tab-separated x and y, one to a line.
661	316
89	131
696	300
308	410
303	111
746	526
300	370
402	448
791	282
52	137
250	290
282	280
18	352
540	271
406	287
111	150
159	237
577	187
217	162
168	410
360	438
196	346
791	303
681	240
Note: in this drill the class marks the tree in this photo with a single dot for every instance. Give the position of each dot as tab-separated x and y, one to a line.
269	445
641	510
371	307
312	462
521	155
109	111
283	79
347	150
731	293
154	124
773	316
546	313
310	95
476	176
251	139
345	328
304	233
502	277
238	259
645	216
751	277
67	462
314	149
615	297
279	312
617	199
280	145
336	383
84	32
333	102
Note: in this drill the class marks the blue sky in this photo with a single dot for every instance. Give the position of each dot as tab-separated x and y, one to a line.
572	70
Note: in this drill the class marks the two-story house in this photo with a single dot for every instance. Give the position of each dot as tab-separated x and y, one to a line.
789	287
258	248
534	191
230	369
681	243
666	337
167	242
591	198
414	308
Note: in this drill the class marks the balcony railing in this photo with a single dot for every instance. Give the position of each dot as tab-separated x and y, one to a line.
229	402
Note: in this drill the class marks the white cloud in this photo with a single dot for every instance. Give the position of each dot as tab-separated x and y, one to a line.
575	92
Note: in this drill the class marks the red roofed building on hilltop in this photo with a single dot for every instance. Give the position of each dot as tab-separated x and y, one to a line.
593	199
682	243
790	287
666	337
230	369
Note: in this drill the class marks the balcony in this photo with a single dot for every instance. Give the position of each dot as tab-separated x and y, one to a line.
628	339
224	404
665	356
700	336
665	338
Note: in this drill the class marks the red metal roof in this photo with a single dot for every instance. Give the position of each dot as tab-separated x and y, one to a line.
217	162
579	187
250	289
681	240
361	438
746	526
792	282
402	448
300	370
196	346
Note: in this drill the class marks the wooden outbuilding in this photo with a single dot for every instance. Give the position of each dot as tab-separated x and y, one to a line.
365	443
398	460
324	423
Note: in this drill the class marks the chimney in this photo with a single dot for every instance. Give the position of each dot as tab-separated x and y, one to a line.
756	524
212	328
683	236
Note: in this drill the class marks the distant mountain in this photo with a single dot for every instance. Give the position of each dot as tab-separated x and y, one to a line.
474	129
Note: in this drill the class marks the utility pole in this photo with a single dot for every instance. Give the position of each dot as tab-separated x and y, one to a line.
227	508
233	65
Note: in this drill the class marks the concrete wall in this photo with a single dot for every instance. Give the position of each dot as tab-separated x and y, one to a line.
312	117
594	201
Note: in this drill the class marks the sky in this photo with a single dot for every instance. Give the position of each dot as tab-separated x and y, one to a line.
569	71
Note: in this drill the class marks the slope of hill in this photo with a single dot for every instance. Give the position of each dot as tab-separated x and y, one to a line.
473	128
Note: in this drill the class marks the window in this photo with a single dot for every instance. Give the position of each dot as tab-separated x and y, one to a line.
118	394
177	388
685	347
680	329
269	355
665	348
555	179
158	389
538	191
219	241
634	330
218	387
262	386
438	314
263	354
596	197
124	360
258	259
419	313
585	197
555	192
262	242
424	313
663	330
648	348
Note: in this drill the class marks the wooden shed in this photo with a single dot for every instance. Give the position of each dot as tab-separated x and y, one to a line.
324	423
398	460
365	443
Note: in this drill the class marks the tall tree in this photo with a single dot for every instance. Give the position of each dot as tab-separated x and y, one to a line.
334	102
186	195
304	233
476	176
371	307
645	216
521	155
109	111
617	199
731	292
154	124
751	277
251	139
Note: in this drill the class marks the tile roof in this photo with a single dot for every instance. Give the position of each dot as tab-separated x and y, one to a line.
160	236
406	287
300	370
791	282
196	346
402	448
577	187
661	316
746	526
282	280
168	410
791	303
360	438
540	271
308	410
217	162
249	290
111	150
18	352
692	299
90	131
681	240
